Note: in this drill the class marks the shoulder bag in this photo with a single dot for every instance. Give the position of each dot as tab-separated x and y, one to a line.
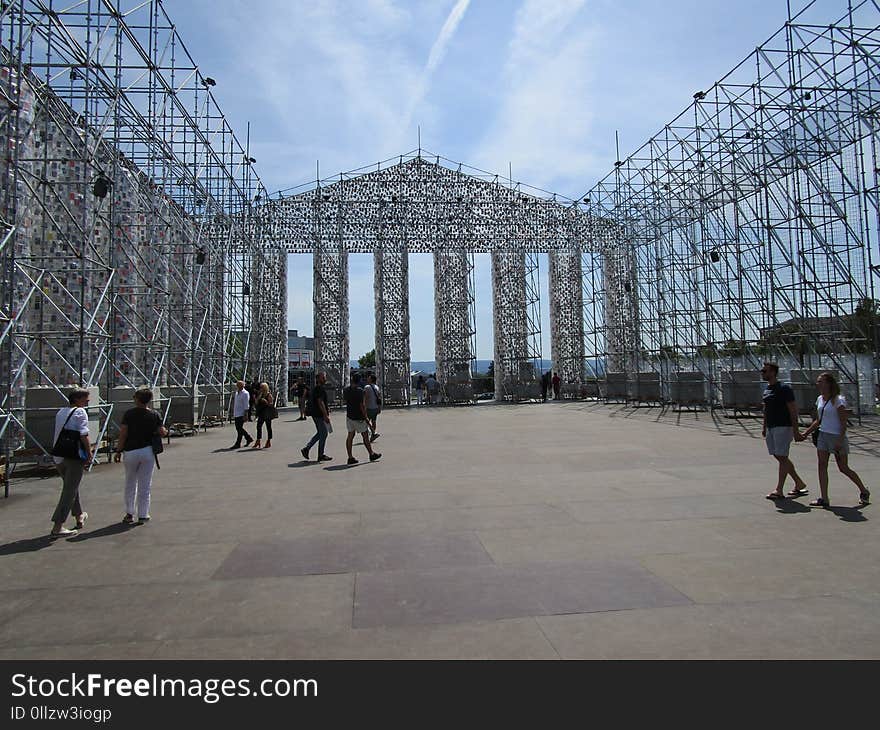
156	442
815	433
68	444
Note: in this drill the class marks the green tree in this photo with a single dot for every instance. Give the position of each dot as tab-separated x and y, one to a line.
864	323
368	360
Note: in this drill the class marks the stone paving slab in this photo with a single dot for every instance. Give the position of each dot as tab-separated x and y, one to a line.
438	543
323	554
454	595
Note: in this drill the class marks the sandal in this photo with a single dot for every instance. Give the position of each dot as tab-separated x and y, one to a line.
799	492
820	503
865	498
775	496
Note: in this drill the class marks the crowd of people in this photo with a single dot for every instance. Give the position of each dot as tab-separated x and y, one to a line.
141	430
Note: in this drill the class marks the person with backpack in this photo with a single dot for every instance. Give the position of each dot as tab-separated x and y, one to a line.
71	450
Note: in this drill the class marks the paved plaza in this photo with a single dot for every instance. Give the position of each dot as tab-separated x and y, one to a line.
565	530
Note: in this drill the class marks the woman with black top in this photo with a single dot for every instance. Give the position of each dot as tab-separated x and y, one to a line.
265	408
139	425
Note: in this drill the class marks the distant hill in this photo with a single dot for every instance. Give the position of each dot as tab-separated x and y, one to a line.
429	366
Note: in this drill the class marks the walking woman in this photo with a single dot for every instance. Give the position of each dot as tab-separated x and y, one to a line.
139	425
831	423
265	413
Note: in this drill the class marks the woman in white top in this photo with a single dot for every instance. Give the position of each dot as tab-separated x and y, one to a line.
831	424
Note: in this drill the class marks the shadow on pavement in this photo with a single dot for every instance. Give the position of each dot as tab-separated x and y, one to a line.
848	514
30	545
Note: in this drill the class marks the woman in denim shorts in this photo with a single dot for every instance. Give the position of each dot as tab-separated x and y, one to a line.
831	423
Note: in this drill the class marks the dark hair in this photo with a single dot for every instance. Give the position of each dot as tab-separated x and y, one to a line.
143	395
832	383
76	394
372	378
772	365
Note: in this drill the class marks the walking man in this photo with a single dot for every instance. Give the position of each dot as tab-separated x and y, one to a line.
780	427
240	407
72	418
356	419
545	386
321	417
373	399
556	385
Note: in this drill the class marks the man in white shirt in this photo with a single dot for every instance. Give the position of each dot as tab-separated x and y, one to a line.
240	407
72	418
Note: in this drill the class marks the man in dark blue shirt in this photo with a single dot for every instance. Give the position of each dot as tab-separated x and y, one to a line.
780	427
356	419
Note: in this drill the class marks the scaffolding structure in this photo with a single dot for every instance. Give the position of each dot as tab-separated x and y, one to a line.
131	243
747	229
423	203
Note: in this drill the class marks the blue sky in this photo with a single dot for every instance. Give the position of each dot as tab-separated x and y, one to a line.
540	85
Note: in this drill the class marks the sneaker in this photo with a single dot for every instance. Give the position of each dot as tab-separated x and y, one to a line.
324	457
81	521
63	532
305	453
351	460
143	520
865	498
375	456
128	519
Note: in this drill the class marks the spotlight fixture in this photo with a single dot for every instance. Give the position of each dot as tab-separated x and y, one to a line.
627	287
208	81
246	290
714	257
101	186
74	75
200	256
700	95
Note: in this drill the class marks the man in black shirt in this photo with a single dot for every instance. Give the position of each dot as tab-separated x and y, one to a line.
356	419
780	427
321	417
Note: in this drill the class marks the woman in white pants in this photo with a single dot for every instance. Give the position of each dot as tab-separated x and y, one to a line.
139	425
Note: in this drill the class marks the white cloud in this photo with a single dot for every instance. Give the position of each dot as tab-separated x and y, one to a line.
543	122
435	57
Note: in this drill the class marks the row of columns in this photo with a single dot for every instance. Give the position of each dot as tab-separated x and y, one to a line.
453	320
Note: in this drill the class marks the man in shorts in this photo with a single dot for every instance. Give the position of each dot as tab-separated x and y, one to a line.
780	427
356	419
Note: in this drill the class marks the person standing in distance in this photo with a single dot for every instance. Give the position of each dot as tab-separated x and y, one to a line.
240	408
72	418
780	427
321	416
356	419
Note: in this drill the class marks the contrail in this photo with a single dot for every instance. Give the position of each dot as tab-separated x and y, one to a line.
438	51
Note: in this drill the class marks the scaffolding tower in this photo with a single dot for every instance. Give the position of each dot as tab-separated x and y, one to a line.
131	242
747	228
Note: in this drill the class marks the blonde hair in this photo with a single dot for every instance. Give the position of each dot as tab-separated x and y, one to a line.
264	388
833	385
